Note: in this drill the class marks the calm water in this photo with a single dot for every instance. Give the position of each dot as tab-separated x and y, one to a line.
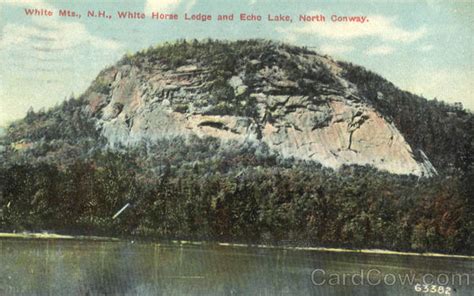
60	267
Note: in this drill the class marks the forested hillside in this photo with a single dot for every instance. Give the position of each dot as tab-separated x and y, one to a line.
62	170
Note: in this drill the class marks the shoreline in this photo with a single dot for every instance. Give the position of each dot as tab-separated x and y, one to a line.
27	235
360	251
46	235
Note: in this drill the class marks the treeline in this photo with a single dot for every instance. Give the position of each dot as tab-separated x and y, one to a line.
67	122
243	58
59	135
444	132
290	203
56	174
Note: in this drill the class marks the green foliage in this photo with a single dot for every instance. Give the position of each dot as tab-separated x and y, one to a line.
69	121
444	132
181	108
65	180
239	196
223	60
100	85
61	135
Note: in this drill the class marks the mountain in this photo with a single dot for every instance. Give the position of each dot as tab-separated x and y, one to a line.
253	139
297	103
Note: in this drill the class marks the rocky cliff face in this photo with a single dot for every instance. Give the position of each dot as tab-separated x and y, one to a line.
294	101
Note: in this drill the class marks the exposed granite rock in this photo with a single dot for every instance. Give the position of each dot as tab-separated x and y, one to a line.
302	117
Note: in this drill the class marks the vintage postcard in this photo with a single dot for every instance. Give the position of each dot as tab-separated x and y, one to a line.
250	147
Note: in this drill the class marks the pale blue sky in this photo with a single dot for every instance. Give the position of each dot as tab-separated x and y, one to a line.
422	46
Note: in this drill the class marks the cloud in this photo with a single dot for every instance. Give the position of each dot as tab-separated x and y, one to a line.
27	4
425	48
190	5
57	37
55	34
42	51
167	5
335	49
380	50
377	26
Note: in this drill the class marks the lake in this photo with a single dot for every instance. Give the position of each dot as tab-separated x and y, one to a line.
85	267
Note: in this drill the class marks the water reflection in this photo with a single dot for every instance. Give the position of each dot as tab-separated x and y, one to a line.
55	267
